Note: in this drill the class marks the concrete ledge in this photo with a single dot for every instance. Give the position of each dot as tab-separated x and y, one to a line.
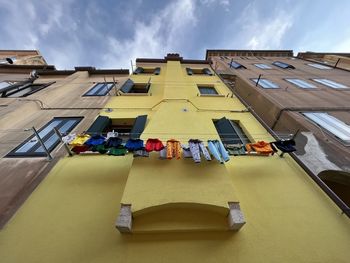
124	220
235	218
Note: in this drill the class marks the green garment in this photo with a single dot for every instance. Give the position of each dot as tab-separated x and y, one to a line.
236	150
117	151
99	148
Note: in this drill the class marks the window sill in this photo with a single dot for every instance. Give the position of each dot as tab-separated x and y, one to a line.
134	94
212	95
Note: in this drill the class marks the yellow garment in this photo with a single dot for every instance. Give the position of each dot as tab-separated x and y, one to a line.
261	147
173	149
80	139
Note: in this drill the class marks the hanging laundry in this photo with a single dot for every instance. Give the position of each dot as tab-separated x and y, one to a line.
112	134
174	149
163	153
99	148
154	145
80	149
80	139
261	147
141	153
197	147
117	151
286	146
218	150
113	142
95	140
69	138
134	144
186	152
235	149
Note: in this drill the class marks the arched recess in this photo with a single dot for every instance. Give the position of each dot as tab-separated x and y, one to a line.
339	182
180	217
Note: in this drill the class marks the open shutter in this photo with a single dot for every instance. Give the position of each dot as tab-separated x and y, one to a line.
157	71
230	133
138	70
189	71
101	123
127	86
139	126
207	71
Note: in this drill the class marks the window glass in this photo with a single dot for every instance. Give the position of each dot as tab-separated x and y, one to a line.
263	66
266	84
319	66
100	89
282	65
32	147
301	83
330	83
335	126
207	90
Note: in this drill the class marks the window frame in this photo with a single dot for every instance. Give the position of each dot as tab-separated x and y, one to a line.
337	122
259	84
265	67
319	66
199	86
238	65
32	151
322	81
20	86
103	84
290	80
283	65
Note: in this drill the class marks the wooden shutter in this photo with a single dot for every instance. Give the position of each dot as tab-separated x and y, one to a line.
189	71
138	70
139	126
101	123
157	71
127	86
207	71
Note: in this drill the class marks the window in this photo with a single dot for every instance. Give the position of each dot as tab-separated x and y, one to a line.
319	66
230	132
132	126
131	87
32	148
100	89
283	65
330	83
333	125
5	84
207	90
198	71
263	66
301	83
21	89
140	70
266	84
236	65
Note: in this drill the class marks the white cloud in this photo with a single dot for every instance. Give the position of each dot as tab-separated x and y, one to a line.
166	32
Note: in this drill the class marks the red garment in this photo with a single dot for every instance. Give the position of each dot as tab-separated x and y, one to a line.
154	145
80	149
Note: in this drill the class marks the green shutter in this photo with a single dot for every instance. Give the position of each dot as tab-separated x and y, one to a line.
127	86
101	123
139	126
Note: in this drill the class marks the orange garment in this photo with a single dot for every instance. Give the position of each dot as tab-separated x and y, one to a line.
173	149
261	147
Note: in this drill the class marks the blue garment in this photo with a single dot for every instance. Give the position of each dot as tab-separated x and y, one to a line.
134	144
218	150
113	142
95	140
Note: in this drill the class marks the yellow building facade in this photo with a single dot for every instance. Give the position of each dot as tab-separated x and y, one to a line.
179	210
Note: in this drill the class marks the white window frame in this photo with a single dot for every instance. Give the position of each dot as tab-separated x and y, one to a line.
319	66
262	66
300	83
266	84
330	83
331	124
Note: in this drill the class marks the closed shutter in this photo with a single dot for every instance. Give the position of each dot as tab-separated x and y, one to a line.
139	126
138	70
127	86
156	71
101	123
207	71
189	71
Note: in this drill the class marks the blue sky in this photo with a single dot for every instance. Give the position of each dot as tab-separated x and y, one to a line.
109	33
